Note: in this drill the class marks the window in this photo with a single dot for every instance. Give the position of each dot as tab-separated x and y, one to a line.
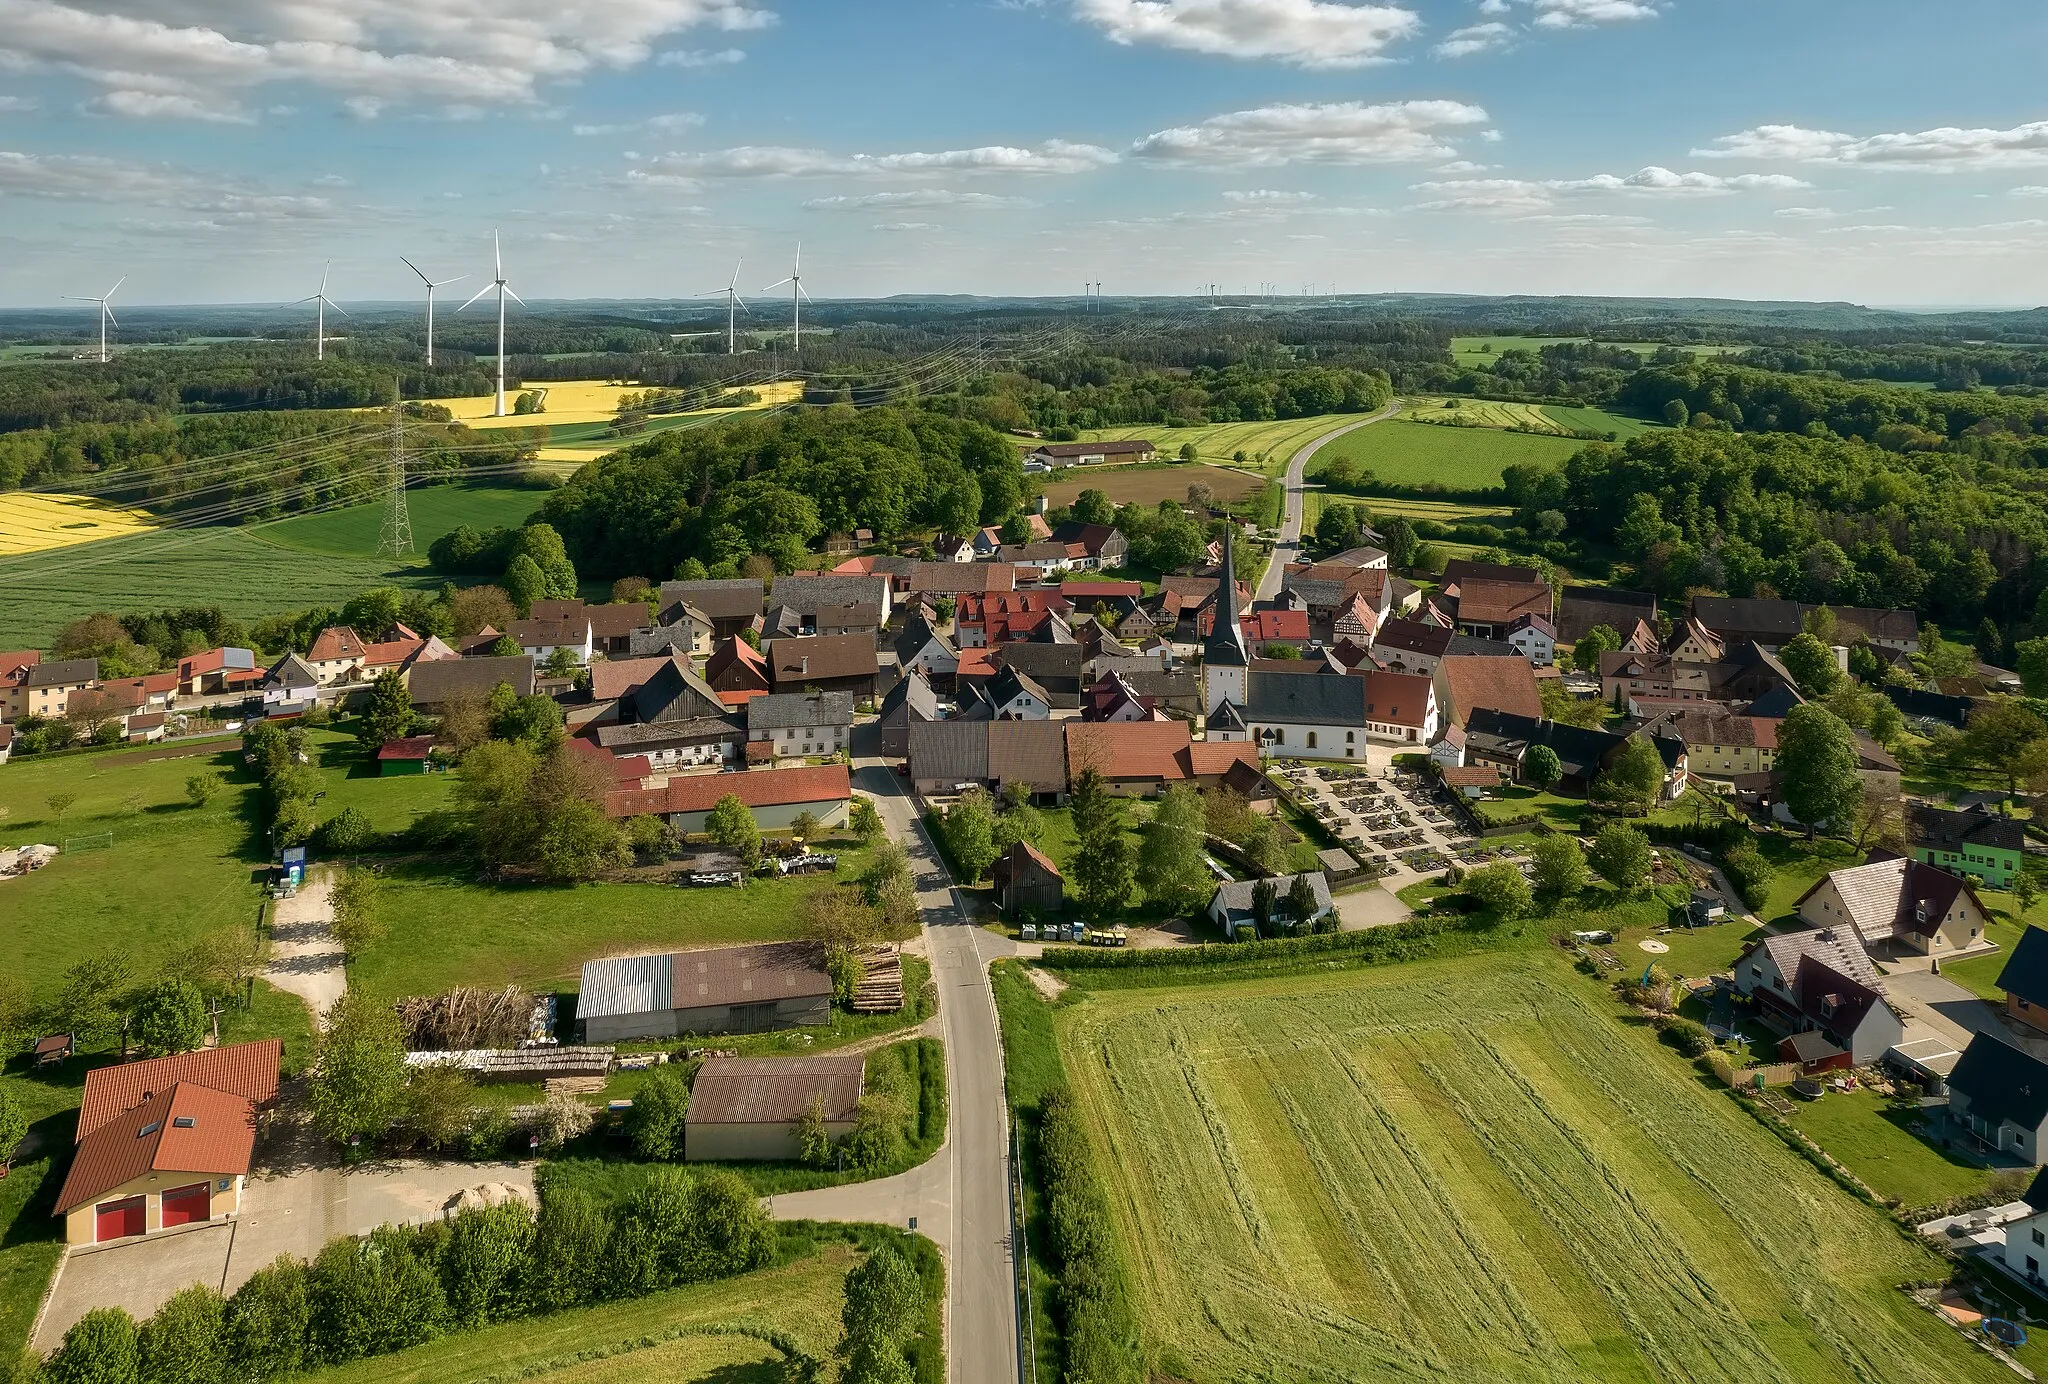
2039	1238
1311	740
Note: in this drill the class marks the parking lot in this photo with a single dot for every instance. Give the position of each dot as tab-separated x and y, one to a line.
1396	821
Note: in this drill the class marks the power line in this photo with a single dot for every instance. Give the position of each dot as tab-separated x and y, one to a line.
394	538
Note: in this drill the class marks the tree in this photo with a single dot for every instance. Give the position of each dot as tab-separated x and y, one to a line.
1621	856
2025	889
1999	734
439	1104
169	1017
813	1139
1880	819
1594	642
100	1348
525	583
357	899
372	613
1541	767
1102	868
1887	723
1397	536
358	1085
731	824
60	803
883	1308
1188	452
1636	775
201	789
1093	507
562	1119
660	1106
1339	527
1817	757
1301	903
1811	664
1676	413
1990	643
1264	897
374	1295
543	545
476	608
269	1320
89	1004
572	1238
1560	866
865	820
186	1341
1171	868
1499	889
1821	623
579	843
970	833
484	1262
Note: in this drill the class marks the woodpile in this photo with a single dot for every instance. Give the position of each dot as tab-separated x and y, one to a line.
466	1018
881	983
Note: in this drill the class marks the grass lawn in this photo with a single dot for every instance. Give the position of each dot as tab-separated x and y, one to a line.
1279	439
1599	420
433	509
1875	1142
1796	866
1399	452
1980	973
30	1246
1696	952
1469	1169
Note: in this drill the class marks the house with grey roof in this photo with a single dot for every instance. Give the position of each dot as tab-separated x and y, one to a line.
1821	983
799	724
910	702
733	604
1014	696
835	603
1233	906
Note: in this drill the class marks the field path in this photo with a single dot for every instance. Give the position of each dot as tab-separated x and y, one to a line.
1289	546
305	957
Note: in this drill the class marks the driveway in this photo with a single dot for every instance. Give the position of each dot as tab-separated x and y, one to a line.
1952	1012
1364	908
305	958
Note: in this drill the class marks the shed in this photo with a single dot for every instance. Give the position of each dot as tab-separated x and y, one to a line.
406	756
746	1108
1026	880
712	990
1813	1053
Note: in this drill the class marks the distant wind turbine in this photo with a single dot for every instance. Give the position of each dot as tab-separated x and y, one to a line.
431	284
106	313
498	282
733	305
320	329
797	295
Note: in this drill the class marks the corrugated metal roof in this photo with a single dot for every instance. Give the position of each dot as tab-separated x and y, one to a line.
774	1090
624	985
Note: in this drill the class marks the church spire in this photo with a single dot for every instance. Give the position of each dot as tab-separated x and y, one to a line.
1225	646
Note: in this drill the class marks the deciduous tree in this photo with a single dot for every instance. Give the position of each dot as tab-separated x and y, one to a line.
1621	856
731	824
1560	866
358	1085
1102	867
1817	757
1171	868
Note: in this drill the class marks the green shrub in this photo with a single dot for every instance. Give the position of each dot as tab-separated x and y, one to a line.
1749	872
100	1348
1099	1336
269	1321
186	1341
655	1122
486	1262
1687	1035
374	1295
571	1238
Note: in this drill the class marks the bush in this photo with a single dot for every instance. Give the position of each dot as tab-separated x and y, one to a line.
1749	872
100	1348
656	1119
1687	1035
1099	1339
186	1341
170	1017
269	1321
348	832
572	1239
485	1264
373	1296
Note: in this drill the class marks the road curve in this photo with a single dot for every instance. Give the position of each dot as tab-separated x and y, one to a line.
1289	546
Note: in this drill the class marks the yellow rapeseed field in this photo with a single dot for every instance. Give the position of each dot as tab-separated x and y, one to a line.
582	401
34	523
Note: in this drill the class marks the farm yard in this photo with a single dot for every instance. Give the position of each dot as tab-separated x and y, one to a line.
1470	1170
1399	452
1148	485
1278	439
35	523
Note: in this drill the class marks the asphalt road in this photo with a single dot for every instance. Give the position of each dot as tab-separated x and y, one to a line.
1289	546
961	1196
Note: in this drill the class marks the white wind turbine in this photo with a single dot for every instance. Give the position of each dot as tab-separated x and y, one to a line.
498	282
797	295
431	284
106	313
320	329
733	305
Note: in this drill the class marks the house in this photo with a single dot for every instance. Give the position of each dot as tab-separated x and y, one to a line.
732	604
909	702
401	655
922	647
1054	455
1580	608
1999	1094
1533	637
408	756
685	629
542	638
1773	623
1750	672
745	1109
1134	759
612	626
434	685
827	662
1657	675
166	1142
1092	547
1489	609
1722	744
1231	906
796	724
1400	707
1014	696
951	548
776	797
1060	669
1036	560
218	671
2024	1242
1405	645
1027	882
14	666
1264	627
1361	557
46	688
1325	589
676	720
737	671
2024	979
1820	983
1914	906
829	603
983	619
1505	739
1449	750
1113	698
289	682
1985	845
953	579
711	990
1466	683
336	655
614	679
1693	642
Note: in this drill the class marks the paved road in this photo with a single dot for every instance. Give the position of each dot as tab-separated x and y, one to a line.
961	1196
1289	546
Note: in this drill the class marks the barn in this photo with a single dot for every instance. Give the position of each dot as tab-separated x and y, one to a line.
712	990
746	1108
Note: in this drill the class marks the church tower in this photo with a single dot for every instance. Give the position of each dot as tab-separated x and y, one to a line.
1224	661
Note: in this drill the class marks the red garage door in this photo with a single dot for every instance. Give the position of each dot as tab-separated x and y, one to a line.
120	1218
184	1205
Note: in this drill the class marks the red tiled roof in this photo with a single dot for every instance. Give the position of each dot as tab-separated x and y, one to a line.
611	679
185	1128
14	666
1100	590
411	747
1472	776
1276	624
1479	682
391	653
248	1070
754	787
1400	699
1213	758
977	663
335	643
1500	602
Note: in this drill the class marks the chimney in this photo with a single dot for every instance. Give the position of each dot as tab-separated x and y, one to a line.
1041	505
806	667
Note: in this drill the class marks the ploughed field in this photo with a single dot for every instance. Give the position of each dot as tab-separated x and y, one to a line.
1471	1170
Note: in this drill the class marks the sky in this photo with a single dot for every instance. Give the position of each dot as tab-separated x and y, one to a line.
1887	152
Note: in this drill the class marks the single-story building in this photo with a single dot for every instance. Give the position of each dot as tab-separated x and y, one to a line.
710	990
1999	1094
166	1142
1027	881
1230	908
776	797
746	1108
1054	455
407	756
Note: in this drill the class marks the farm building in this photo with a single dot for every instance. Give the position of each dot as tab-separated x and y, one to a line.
2025	980
1231	907
1773	623
713	990
910	701
1027	881
675	719
776	797
1466	683
1999	1094
745	1109
435	684
1580	608
410	755
828	663
732	605
1054	455
167	1142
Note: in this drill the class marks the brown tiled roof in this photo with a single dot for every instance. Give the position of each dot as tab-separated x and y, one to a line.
728	599
1138	446
248	1070
1497	684
1029	752
335	643
14	665
451	677
185	1128
1213	758
611	679
810	783
1020	854
821	657
954	578
1501	602
774	1090
1128	749
1472	775
411	747
1462	570
1399	699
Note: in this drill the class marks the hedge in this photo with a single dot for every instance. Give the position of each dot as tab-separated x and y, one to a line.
1394	942
1099	1336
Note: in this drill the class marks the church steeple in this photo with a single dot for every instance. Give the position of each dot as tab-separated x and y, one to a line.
1225	646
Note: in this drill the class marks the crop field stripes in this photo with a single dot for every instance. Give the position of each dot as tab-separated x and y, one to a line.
1472	1174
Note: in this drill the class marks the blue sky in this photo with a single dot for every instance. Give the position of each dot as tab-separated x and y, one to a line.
1880	151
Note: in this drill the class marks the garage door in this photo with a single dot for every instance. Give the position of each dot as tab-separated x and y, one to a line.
184	1205
117	1219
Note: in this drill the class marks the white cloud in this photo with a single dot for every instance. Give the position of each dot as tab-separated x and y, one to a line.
12	104
698	57
661	124
779	161
1267	197
917	198
905	226
1580	14
1462	166
1475	38
85	178
1306	33
1509	194
1946	150
1347	132
2030	192
199	58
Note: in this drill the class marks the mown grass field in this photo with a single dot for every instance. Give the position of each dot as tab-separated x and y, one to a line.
34	523
1220	442
433	509
1471	1170
1148	485
1862	1131
1400	452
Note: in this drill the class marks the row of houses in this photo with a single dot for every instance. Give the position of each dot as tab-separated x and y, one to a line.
1045	758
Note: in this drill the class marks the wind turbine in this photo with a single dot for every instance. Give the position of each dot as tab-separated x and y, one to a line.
431	284
796	292
320	330
106	313
733	305
498	282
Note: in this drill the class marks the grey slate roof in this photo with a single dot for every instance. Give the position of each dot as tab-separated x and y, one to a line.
721	600
62	672
1323	700
950	751
1952	831
2026	970
451	677
2001	1082
799	710
1236	894
811	594
674	694
911	699
291	671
